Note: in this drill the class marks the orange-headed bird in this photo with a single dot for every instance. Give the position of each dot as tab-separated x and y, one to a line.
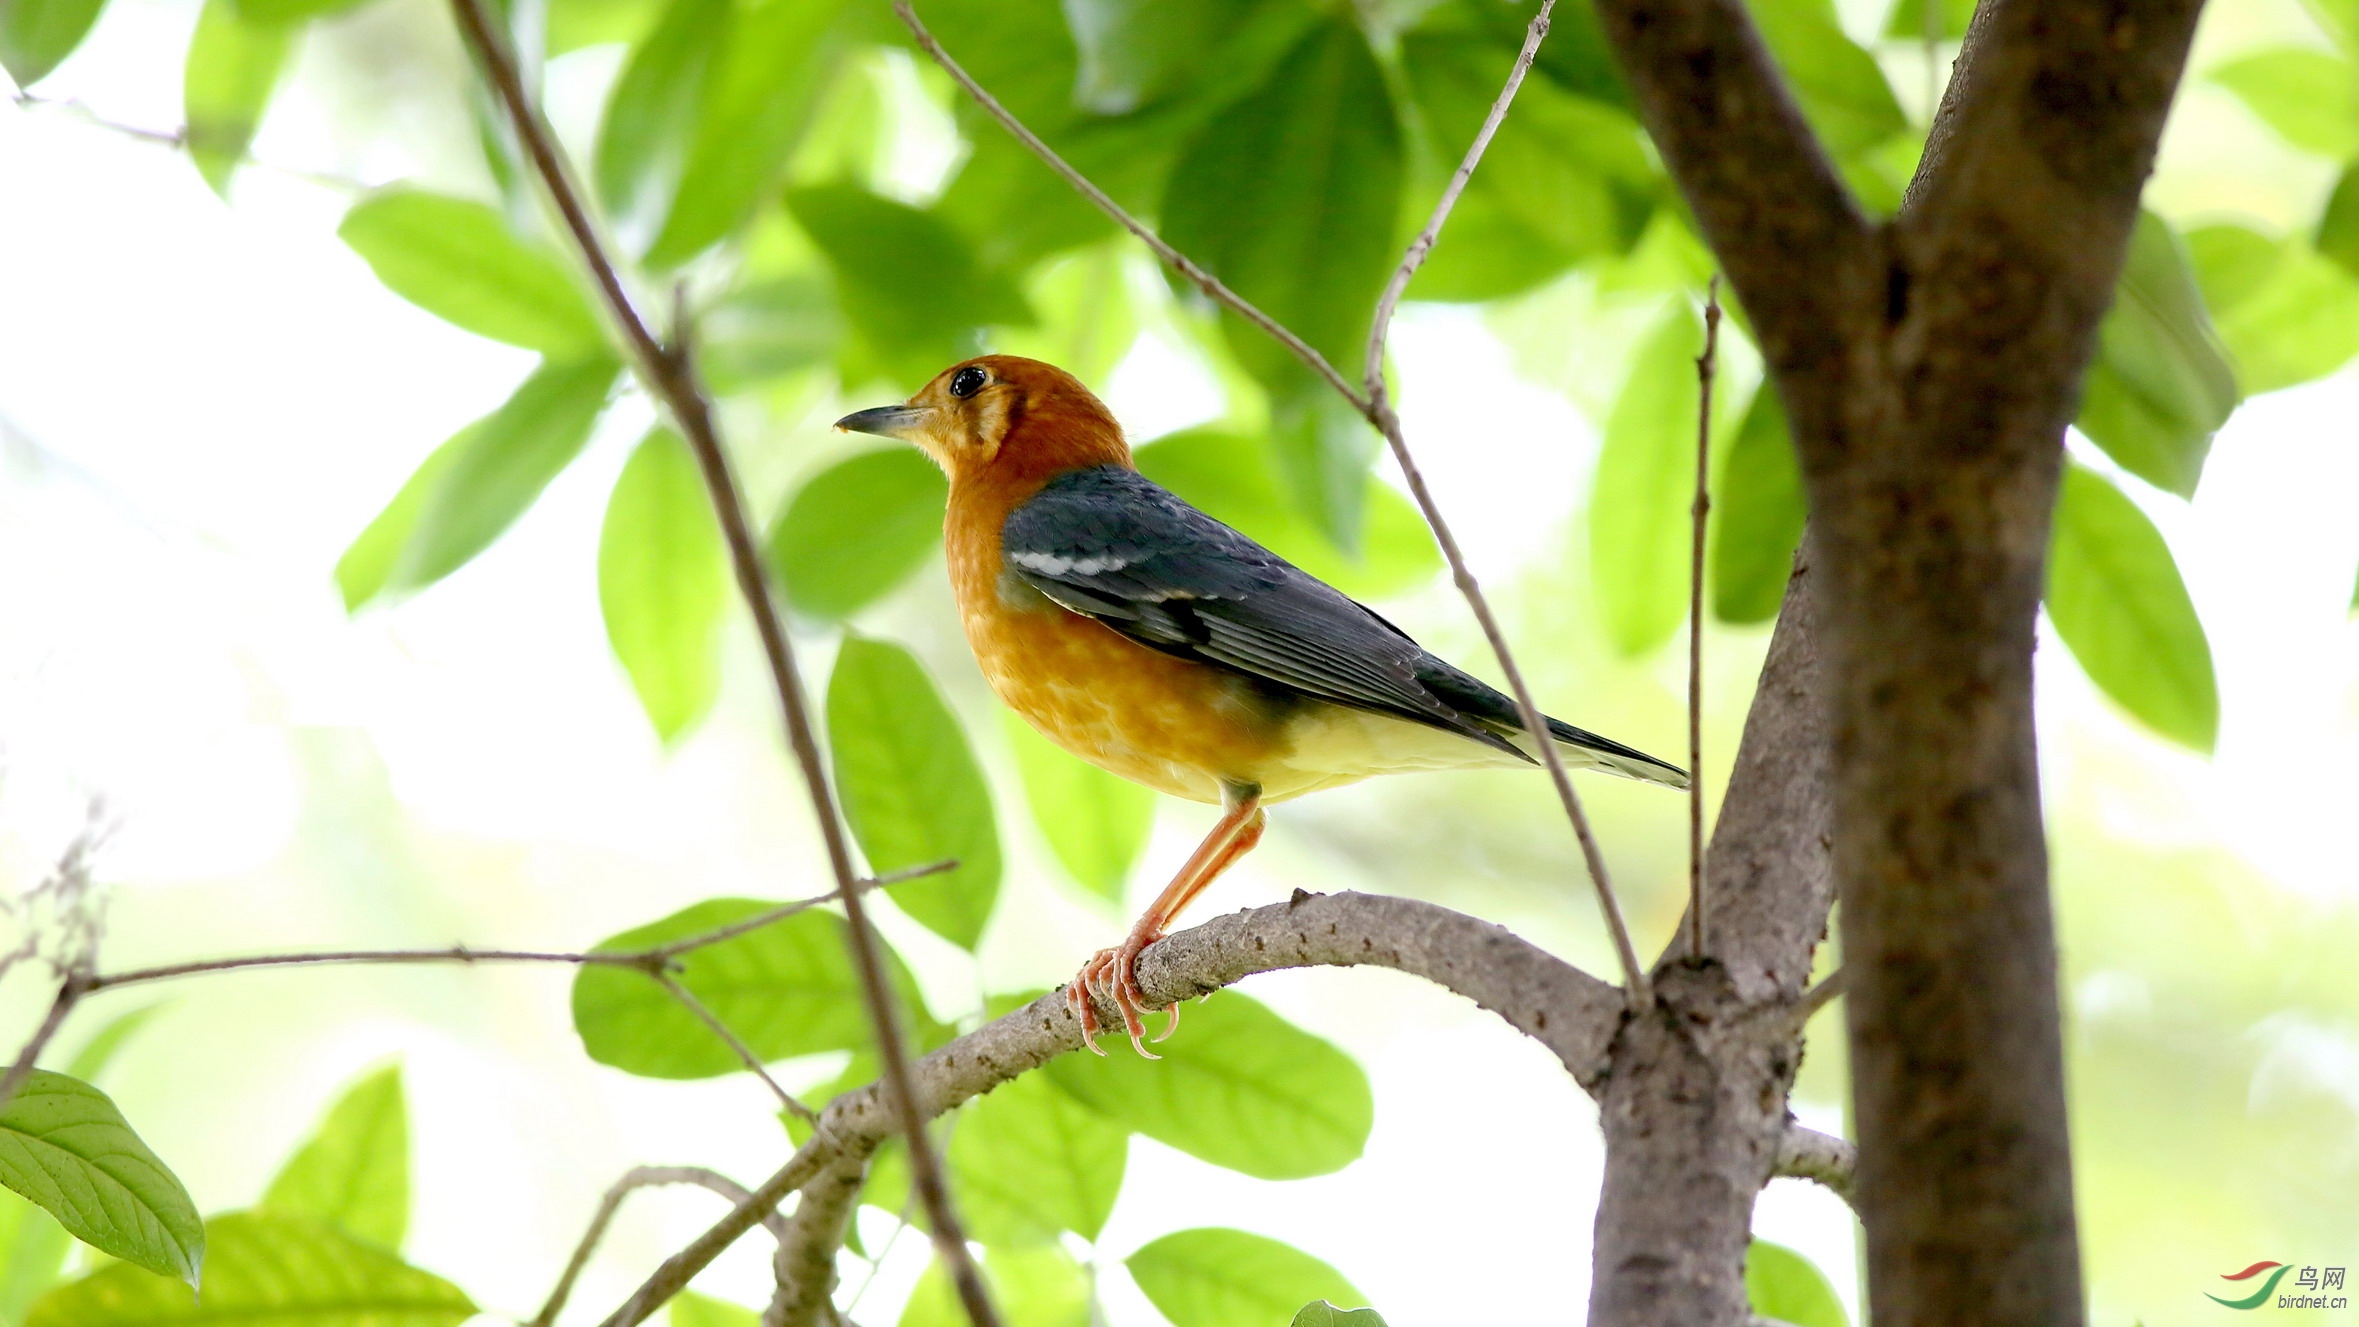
1153	641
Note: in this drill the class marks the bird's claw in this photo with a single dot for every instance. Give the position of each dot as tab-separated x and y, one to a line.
1115	973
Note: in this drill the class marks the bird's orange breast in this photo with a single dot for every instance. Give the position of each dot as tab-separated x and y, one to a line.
1173	724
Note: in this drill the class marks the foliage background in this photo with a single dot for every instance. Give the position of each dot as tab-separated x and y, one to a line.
203	404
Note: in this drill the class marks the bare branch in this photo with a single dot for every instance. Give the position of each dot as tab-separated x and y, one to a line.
69	993
806	1251
1705	364
1811	1155
641	1177
1571	1013
745	1054
669	374
1818	997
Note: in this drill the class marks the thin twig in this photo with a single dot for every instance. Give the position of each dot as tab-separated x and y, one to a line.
1372	406
1180	262
1810	1155
641	1177
177	139
1706	364
670	375
1818	997
69	993
745	1053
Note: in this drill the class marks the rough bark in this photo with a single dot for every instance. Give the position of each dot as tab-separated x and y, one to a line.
805	1266
1694	1105
1928	368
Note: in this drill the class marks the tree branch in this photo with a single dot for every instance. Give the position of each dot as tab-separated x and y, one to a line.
1571	1013
670	376
807	1248
1810	1155
641	1177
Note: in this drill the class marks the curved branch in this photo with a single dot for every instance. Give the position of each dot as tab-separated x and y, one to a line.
1563	1008
643	1177
1810	1155
805	1265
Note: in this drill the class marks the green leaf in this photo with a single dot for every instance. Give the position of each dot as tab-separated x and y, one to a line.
2310	97
233	66
2338	225
1907	20
907	281
100	1051
651	112
663	583
2116	598
2286	314
1564	179
1757	515
1039	1286
1840	86
1029	1161
1096	823
1639	532
472	488
1240	1087
65	1146
1215	1277
758	95
2161	385
1323	1314
574	24
33	1246
856	530
1576	57
354	1173
458	260
265	1269
37	35
690	1309
1784	1286
767	329
785	989
911	789
1291	197
1231	477
1321	448
285	13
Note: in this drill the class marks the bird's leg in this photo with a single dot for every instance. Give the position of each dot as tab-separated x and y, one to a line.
1116	970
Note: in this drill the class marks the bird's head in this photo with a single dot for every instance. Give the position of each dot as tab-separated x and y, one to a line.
1001	416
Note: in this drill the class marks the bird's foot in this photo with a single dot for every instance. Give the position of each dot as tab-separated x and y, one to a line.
1115	972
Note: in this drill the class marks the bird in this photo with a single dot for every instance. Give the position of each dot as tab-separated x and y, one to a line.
1157	643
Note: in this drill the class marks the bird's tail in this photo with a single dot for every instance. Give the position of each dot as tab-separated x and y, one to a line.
1581	748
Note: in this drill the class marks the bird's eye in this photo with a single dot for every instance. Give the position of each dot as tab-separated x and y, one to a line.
968	381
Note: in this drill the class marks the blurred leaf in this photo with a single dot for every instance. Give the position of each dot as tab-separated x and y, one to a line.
1029	1161
663	583
1241	1088
2115	596
1576	57
2340	18
2338	225
857	529
474	486
100	1051
758	95
354	1173
1324	1314
574	24
1757	515
1564	178
907	280
911	789
1840	86
1639	531
37	35
1321	448
2286	315
786	989
1096	823
690	1309
1232	479
265	1269
1214	1277
767	329
2310	97
1040	1286
233	66
1907	20
1136	51
651	111
1291	197
2161	384
65	1146
1087	319
1786	1287
458	260
289	12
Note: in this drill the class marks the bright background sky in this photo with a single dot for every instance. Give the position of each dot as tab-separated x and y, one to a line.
201	404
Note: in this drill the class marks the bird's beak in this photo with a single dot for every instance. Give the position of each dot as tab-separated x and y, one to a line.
905	422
